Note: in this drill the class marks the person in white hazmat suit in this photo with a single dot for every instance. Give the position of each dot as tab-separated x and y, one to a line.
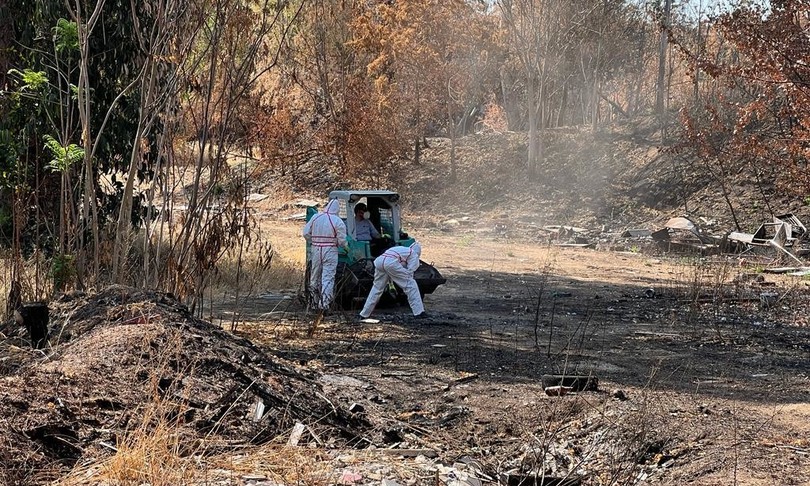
396	264
325	232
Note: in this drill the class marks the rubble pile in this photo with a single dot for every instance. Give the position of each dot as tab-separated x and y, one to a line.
113	355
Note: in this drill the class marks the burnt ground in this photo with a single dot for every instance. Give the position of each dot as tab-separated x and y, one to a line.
697	382
124	364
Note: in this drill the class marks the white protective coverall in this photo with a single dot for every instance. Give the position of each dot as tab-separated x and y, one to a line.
326	232
396	264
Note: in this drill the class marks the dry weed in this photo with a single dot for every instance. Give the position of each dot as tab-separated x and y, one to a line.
257	269
282	464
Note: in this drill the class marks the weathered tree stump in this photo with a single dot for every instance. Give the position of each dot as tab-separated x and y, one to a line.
34	317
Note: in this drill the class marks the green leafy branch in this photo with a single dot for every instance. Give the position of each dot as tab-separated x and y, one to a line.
63	157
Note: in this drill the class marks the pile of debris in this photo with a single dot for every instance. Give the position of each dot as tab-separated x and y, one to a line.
112	356
786	235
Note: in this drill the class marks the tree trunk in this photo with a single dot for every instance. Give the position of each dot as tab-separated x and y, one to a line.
89	208
662	58
531	163
122	234
451	126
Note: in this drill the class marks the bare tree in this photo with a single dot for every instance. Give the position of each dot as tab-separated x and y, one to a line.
171	35
540	31
86	20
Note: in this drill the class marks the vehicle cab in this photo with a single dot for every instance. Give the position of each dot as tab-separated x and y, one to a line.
384	210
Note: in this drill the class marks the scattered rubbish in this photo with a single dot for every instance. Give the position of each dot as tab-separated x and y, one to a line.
257	197
649	293
370	321
429	453
619	394
465	379
768	299
564	230
517	479
459	474
557	391
296	217
349	477
683	223
682	234
636	233
295	435
575	382
783	233
258	410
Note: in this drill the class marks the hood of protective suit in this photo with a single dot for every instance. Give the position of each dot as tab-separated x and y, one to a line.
333	207
416	247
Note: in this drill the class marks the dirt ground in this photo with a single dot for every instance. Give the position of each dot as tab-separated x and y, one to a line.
698	384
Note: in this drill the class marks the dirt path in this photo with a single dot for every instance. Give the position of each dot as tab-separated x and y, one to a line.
711	393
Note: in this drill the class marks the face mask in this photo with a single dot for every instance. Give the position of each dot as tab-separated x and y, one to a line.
366	215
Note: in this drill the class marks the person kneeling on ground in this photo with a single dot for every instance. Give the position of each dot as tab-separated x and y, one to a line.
396	264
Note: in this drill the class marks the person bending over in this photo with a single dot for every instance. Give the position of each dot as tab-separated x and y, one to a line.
396	264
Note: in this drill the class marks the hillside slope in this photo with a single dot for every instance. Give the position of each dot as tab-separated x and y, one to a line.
614	179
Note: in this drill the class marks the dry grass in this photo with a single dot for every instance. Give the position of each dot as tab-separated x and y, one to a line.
262	270
33	277
149	454
5	281
281	464
154	450
152	453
